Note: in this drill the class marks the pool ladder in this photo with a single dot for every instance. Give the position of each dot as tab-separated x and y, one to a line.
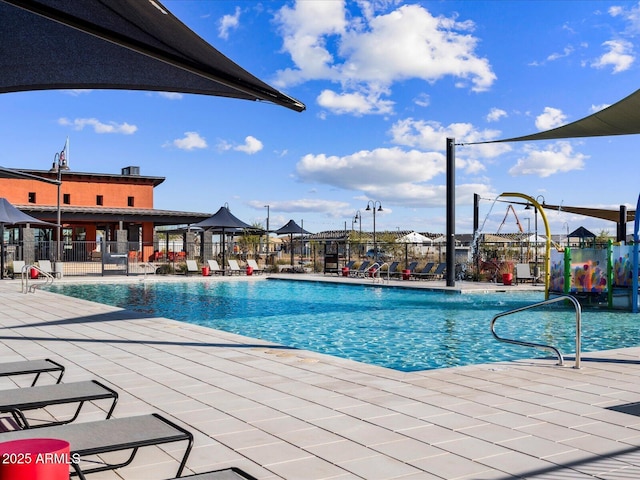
374	270
26	273
561	298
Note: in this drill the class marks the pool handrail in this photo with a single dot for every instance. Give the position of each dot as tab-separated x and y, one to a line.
578	310
374	270
26	274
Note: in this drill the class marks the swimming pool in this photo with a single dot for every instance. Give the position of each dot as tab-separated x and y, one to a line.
403	329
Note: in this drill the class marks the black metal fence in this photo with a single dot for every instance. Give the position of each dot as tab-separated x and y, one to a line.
134	258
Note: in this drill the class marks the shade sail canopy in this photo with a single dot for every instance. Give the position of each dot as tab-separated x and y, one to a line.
602	213
621	118
116	44
581	232
291	228
10	215
223	219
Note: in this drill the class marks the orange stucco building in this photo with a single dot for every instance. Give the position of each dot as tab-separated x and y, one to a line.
93	206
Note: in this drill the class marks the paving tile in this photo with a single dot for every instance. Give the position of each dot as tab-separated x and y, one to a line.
284	414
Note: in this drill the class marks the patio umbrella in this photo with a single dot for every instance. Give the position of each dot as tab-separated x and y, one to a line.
116	44
290	229
221	222
10	215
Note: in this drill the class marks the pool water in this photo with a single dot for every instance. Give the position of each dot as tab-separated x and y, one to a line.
403	329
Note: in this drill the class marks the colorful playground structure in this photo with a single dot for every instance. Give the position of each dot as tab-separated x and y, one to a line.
606	277
596	276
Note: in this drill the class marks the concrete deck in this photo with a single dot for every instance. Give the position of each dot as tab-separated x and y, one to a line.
280	413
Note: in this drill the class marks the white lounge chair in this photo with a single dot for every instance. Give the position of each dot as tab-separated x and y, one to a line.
523	273
214	268
45	267
234	268
192	267
254	265
18	267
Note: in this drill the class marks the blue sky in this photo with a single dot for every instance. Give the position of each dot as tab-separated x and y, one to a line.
385	83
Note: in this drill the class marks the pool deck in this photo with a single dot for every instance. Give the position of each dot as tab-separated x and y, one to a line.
281	413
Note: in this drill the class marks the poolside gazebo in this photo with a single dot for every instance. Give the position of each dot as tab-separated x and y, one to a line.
221	222
291	229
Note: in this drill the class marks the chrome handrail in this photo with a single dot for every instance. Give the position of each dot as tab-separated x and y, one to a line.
560	298
25	275
377	271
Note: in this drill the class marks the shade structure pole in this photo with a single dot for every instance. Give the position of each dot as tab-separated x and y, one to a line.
451	213
622	224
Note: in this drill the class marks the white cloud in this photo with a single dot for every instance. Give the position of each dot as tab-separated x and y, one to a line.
377	50
597	108
550	118
251	145
354	103
565	53
303	205
367	168
430	135
496	114
556	158
171	95
227	23
98	126
190	141
423	100
620	56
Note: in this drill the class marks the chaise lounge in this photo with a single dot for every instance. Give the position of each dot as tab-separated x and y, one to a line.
16	401
88	439
29	367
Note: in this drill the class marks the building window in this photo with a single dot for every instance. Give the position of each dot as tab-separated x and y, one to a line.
66	199
99	200
32	197
130	202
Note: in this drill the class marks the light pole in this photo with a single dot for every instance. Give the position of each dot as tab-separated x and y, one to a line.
371	206
267	207
59	164
358	219
536	269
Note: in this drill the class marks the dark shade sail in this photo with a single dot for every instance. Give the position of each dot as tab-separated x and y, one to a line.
116	44
581	232
223	219
10	215
621	118
291	228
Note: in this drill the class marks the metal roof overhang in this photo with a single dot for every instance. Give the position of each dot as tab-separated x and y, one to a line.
113	215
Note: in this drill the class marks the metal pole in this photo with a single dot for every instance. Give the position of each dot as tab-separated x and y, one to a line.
451	213
267	260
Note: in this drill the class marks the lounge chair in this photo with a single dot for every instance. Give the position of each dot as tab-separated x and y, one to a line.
523	273
214	268
361	271
18	268
16	401
226	474
426	270
438	272
87	439
45	267
392	270
411	268
192	267
234	268
253	264
30	367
